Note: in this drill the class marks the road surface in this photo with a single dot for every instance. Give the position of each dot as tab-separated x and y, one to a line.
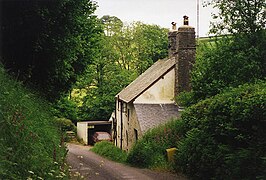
88	165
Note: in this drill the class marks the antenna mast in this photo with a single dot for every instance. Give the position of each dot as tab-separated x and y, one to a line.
197	19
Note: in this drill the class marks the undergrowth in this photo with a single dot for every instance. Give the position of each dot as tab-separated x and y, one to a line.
30	144
110	151
150	151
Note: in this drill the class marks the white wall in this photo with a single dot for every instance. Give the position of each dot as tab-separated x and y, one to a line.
128	121
82	131
161	92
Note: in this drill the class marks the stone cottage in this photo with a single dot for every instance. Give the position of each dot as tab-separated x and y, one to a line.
149	100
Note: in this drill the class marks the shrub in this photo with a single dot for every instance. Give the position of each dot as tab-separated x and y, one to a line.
227	62
110	151
65	124
150	151
226	137
29	142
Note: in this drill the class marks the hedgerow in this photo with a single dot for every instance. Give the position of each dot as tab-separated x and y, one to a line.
225	136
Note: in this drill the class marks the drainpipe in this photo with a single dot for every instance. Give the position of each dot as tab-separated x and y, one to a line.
115	120
121	118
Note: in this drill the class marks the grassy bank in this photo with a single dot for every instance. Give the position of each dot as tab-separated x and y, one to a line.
108	150
30	144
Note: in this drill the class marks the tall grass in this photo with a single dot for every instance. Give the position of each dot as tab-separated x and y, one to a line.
30	145
108	150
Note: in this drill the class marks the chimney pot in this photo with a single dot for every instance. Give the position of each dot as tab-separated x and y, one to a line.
186	21
173	26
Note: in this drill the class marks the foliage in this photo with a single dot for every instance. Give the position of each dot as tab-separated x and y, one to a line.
233	59
66	108
126	51
110	151
67	128
240	16
225	136
65	125
150	151
29	143
227	63
48	44
222	137
99	101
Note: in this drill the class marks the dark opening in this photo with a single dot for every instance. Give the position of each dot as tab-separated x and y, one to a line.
136	134
98	128
128	111
127	137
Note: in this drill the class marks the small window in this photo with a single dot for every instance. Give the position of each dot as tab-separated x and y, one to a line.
127	137
136	134
128	111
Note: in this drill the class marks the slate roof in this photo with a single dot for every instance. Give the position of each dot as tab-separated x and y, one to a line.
152	115
146	80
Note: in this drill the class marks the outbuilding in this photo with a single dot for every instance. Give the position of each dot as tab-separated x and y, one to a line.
86	129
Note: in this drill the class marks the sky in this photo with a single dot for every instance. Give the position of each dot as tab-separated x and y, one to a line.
159	12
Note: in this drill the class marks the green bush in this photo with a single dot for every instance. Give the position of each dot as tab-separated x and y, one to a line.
150	151
226	137
65	124
227	62
29	142
110	151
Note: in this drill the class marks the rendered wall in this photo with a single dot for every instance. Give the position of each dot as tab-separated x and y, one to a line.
161	92
127	120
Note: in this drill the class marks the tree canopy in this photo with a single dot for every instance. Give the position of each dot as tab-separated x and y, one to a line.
235	58
239	16
48	44
125	52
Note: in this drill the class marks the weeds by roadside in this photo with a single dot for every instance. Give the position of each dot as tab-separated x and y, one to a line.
108	150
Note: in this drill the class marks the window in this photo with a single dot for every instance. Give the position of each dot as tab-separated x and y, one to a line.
128	111
127	137
136	134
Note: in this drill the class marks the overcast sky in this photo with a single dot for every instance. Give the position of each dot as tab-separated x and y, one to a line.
159	12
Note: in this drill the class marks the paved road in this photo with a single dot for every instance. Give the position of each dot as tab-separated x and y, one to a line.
93	166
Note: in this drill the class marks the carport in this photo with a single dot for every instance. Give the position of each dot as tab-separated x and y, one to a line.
86	129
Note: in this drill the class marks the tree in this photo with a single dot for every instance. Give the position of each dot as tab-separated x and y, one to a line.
239	16
151	44
126	51
233	59
48	43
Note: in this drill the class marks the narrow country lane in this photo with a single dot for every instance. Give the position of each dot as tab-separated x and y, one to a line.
93	166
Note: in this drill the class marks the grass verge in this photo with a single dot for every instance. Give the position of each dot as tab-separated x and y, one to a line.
110	151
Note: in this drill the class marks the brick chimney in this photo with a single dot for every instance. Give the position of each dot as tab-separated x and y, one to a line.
182	46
